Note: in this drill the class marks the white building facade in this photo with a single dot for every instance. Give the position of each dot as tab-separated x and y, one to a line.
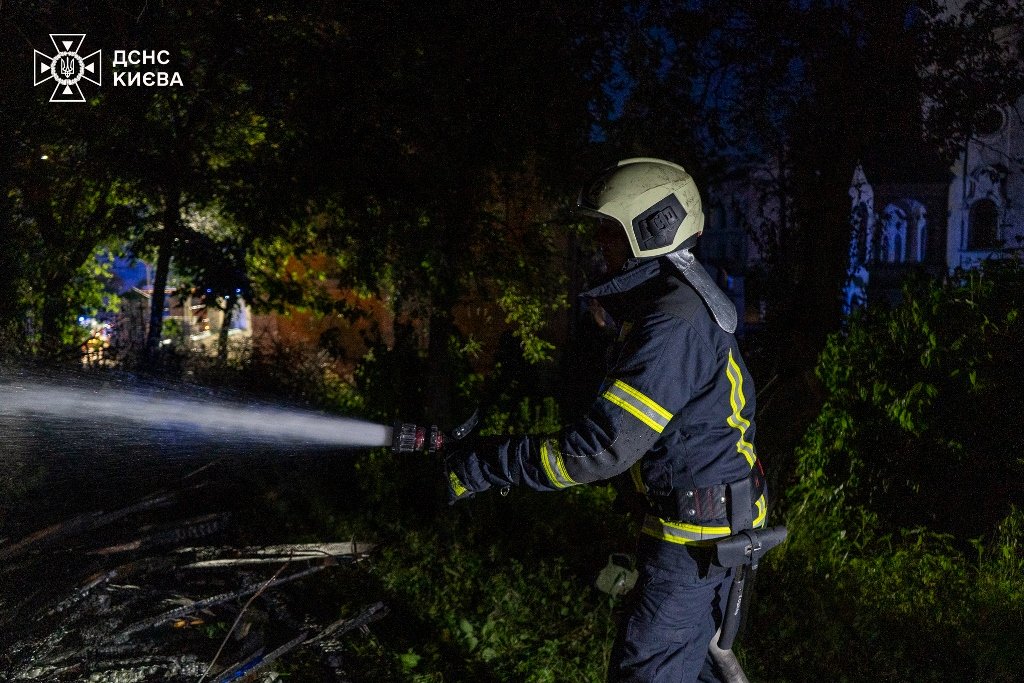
986	195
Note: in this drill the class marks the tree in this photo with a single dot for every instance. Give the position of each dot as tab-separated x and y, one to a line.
192	147
68	213
58	202
425	147
787	97
917	396
440	142
971	69
212	259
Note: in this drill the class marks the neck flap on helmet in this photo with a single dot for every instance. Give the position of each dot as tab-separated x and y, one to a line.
722	309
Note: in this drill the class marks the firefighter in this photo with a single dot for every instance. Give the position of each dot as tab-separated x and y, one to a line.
676	411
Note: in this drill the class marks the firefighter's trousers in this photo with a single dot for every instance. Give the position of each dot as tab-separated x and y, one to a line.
670	617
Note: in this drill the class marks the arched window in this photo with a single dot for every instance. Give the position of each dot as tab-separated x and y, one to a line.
990	122
894	232
981	226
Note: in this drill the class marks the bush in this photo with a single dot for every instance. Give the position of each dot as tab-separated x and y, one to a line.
904	558
498	588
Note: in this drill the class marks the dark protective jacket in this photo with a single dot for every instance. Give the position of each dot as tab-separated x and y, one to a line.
676	410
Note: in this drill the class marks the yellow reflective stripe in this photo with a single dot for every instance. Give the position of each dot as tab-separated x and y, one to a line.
632	410
547	465
697	529
643	399
738	401
682	533
560	461
678	532
762	511
638	405
554	467
638	480
457	486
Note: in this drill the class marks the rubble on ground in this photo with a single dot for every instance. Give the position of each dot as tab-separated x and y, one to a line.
130	596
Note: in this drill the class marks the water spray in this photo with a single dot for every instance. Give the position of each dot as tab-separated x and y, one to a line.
156	414
131	412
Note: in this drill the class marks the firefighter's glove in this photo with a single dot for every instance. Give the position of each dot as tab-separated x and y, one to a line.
462	475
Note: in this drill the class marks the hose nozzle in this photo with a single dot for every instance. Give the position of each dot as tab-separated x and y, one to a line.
411	438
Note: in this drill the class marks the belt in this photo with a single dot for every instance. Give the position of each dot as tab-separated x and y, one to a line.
707	513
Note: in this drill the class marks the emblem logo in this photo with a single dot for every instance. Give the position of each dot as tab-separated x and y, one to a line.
67	67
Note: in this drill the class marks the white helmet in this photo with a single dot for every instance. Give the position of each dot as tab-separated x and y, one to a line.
656	202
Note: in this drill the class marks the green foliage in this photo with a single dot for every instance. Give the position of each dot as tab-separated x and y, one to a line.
528	417
921	395
300	375
88	294
532	621
528	316
489	590
904	537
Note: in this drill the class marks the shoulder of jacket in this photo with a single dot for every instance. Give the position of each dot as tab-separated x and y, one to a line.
677	299
677	306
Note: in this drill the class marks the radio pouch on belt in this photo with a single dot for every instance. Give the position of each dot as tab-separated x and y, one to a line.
742	552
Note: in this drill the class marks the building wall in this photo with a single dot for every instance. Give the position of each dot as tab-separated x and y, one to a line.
988	179
735	210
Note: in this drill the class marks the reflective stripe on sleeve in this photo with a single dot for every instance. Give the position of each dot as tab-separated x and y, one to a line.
457	486
554	465
638	405
738	401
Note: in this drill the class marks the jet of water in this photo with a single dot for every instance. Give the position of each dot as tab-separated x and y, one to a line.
122	410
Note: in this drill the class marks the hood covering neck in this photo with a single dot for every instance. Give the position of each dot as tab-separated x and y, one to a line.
621	292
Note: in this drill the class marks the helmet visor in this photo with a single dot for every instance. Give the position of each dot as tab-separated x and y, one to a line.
590	199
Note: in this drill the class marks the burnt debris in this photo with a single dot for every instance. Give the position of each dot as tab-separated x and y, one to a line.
142	600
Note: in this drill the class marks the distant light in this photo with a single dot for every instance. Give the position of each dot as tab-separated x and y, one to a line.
208	291
238	291
45	157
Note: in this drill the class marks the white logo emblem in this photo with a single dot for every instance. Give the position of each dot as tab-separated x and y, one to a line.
67	68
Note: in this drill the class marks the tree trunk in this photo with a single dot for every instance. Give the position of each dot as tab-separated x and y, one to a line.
54	310
225	326
54	306
172	219
440	389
